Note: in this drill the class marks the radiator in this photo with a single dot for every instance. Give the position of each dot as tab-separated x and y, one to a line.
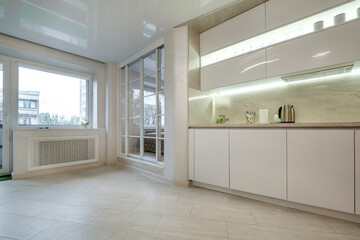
44	153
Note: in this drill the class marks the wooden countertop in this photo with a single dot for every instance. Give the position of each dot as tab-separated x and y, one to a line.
280	125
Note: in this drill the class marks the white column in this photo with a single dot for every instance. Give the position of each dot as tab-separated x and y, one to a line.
110	122
176	103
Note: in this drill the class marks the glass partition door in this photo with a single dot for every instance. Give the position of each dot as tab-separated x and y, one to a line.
4	122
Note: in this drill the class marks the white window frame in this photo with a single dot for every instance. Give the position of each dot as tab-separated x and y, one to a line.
16	63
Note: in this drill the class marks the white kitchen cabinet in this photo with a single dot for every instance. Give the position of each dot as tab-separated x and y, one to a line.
282	12
357	171
336	45
212	156
239	28
321	168
258	162
191	153
236	70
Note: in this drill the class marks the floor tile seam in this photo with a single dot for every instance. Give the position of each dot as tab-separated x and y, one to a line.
306	236
161	216
18	214
32	237
63	220
227	230
293	228
327	224
257	223
222	220
6	237
191	210
133	210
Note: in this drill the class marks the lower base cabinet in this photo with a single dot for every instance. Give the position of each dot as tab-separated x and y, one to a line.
258	162
211	156
357	171
317	167
321	168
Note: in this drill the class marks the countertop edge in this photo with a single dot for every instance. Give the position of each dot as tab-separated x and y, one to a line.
280	125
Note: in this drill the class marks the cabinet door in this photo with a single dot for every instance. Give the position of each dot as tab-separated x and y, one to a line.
258	162
239	28
236	70
321	168
357	171
281	12
191	154
212	156
331	46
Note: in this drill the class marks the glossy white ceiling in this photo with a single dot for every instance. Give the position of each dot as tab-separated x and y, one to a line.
104	30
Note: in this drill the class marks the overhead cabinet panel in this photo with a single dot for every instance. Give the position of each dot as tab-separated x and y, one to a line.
336	45
236	70
239	28
321	168
281	12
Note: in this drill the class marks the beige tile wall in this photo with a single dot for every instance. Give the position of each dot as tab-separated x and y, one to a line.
336	100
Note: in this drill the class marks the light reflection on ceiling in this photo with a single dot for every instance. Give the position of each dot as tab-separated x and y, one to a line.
104	30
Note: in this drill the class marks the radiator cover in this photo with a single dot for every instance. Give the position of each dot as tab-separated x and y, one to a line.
55	152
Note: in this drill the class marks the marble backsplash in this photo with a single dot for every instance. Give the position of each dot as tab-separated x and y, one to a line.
314	101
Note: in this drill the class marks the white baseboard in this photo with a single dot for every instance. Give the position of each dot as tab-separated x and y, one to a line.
36	173
153	175
284	203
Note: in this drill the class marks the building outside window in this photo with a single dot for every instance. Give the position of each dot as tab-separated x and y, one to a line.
52	99
142	108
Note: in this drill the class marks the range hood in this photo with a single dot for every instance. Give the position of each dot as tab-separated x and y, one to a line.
318	73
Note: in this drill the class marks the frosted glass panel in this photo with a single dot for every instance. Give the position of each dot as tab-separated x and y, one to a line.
134	71
134	127
134	146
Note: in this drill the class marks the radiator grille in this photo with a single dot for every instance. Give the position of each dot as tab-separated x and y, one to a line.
54	152
57	152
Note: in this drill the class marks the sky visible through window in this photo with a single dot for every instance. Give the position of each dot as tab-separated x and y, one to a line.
58	94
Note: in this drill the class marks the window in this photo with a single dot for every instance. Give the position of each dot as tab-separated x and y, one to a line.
47	98
142	108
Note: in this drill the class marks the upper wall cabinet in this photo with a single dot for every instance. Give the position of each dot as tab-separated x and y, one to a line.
244	26
281	12
241	69
331	46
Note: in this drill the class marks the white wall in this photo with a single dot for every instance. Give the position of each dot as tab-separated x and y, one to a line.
104	89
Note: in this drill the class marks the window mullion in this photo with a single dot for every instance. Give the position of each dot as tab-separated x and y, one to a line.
141	108
126	110
157	106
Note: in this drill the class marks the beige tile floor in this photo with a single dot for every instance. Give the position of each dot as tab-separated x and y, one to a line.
114	203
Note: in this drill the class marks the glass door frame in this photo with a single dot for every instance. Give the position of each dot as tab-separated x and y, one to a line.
6	163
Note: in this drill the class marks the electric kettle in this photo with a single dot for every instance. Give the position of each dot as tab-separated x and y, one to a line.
287	114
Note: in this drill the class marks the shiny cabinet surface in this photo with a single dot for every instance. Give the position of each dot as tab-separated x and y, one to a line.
211	156
282	12
321	168
258	162
239	28
236	70
336	45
